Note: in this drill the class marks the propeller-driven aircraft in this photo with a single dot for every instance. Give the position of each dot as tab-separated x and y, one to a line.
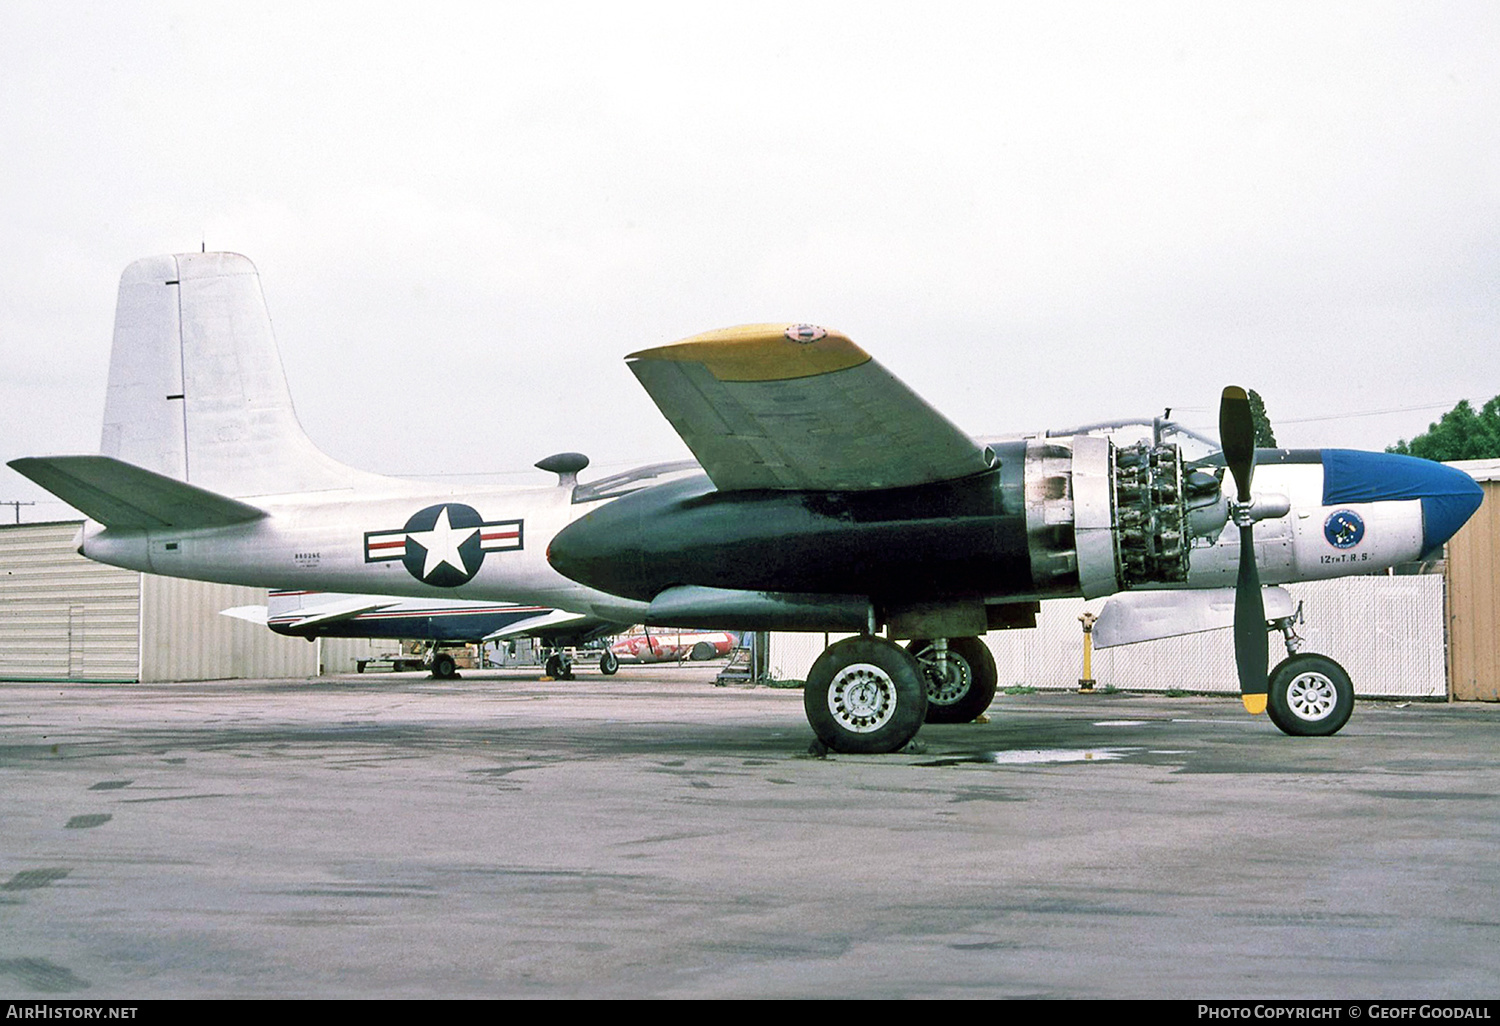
832	498
316	614
836	499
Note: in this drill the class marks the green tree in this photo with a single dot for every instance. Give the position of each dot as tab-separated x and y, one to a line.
1265	438
1460	434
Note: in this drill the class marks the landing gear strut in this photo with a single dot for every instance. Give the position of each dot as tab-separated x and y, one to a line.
961	677
1307	695
558	666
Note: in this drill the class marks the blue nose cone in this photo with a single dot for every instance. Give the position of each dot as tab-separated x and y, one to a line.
1449	497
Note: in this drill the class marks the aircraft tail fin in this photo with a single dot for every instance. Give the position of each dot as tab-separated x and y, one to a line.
196	388
117	494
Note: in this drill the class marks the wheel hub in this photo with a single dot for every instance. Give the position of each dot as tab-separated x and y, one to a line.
948	676
862	697
1311	696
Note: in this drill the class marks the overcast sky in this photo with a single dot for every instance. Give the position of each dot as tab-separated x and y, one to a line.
1036	215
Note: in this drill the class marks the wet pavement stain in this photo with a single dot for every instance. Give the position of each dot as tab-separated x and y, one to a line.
172	798
88	820
1034	756
31	879
38	974
976	794
1438	796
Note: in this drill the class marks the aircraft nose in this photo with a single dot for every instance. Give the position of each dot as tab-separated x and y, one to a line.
1449	497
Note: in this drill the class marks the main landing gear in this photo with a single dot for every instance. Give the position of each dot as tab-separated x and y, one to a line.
870	695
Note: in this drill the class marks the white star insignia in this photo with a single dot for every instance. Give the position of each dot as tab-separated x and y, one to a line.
442	544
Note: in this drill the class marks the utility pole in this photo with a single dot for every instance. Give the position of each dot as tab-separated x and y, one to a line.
17	504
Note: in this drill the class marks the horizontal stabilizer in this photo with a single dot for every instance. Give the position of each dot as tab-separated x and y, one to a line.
1133	616
121	495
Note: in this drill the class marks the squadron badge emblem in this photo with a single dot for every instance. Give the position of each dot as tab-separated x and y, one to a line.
1344	529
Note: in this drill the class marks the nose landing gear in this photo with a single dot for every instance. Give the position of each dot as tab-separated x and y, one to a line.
1308	695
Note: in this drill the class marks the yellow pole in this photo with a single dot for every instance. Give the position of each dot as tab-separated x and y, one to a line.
1086	682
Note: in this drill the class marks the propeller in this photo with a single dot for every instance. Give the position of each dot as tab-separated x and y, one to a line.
1251	648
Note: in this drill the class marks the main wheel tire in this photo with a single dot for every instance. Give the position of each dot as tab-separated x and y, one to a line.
961	689
553	667
865	695
1309	696
443	666
609	663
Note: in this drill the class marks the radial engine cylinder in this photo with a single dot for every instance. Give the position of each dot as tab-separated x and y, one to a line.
1102	518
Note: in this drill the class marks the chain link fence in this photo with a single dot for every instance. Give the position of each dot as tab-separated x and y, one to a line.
1388	632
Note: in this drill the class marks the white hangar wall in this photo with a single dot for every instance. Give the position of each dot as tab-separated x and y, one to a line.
1388	632
63	617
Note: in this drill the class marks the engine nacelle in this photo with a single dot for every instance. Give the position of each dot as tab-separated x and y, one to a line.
1101	518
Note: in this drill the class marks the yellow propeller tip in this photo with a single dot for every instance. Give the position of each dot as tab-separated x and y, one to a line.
1254	704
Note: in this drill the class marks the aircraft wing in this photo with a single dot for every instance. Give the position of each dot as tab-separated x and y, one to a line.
120	494
338	611
557	623
799	407
1132	616
252	614
335	608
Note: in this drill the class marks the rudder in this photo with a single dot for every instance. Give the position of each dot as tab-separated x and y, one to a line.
196	388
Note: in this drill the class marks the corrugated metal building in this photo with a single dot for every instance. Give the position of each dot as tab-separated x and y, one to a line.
1474	594
63	617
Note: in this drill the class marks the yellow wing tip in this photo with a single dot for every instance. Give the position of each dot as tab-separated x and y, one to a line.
1254	704
763	352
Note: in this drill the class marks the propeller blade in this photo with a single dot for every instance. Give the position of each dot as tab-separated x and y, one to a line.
1237	437
1251	648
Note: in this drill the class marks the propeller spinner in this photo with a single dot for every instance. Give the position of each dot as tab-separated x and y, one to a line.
1251	648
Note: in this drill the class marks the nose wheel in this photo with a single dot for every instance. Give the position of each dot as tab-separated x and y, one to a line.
1309	696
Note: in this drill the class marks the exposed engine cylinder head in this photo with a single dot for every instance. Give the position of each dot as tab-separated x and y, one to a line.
1101	518
1151	535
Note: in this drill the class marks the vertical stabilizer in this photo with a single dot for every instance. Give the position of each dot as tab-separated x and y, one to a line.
196	388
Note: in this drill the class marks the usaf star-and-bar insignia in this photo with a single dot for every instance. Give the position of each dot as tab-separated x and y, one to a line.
444	545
